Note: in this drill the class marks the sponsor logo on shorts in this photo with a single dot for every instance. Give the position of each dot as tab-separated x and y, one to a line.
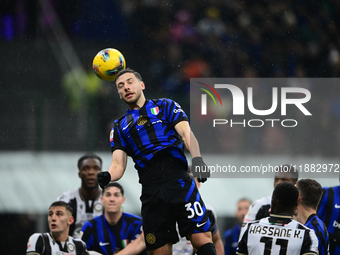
200	225
150	238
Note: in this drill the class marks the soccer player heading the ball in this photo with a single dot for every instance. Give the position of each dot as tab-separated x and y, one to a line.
152	132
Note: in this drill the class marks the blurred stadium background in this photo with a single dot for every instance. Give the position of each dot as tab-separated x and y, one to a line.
54	109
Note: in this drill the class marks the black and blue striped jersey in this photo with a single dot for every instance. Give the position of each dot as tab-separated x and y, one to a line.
231	237
144	132
329	213
106	239
320	229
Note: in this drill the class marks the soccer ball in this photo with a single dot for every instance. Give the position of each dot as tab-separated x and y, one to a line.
107	63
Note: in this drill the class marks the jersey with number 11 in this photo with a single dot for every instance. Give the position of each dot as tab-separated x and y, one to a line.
277	234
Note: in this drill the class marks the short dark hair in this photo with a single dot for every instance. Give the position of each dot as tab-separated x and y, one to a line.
310	192
63	204
288	169
285	197
128	70
114	184
87	156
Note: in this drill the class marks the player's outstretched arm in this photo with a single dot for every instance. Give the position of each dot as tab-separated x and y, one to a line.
188	137
135	247
116	169
191	143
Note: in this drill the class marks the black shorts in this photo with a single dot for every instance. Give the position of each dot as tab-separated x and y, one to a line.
164	205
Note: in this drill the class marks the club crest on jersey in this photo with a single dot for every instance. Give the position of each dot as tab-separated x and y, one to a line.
70	247
141	120
154	110
98	207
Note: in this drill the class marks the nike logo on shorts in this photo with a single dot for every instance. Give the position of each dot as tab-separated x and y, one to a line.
103	244
337	206
200	225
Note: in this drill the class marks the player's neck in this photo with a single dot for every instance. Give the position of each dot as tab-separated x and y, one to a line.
90	193
139	104
113	218
304	213
60	237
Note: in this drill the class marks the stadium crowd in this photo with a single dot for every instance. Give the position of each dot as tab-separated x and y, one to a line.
213	38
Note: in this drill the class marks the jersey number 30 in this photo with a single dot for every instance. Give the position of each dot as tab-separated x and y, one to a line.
197	209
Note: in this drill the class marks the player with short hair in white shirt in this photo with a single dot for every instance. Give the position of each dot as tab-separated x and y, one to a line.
58	241
279	233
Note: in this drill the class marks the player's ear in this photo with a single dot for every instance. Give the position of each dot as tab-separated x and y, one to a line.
123	200
70	220
142	85
79	175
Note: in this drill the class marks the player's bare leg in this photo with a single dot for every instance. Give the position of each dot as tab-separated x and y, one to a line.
202	243
164	250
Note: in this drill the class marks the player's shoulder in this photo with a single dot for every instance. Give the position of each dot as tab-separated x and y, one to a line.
92	222
33	238
164	101
257	204
263	200
68	195
132	216
298	225
119	120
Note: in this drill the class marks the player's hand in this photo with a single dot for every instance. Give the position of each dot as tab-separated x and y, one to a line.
103	178
199	169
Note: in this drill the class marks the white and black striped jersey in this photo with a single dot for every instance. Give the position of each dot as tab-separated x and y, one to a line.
258	209
45	244
279	235
83	210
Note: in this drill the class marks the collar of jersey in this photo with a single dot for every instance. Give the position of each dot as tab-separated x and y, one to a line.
311	216
145	103
58	241
280	219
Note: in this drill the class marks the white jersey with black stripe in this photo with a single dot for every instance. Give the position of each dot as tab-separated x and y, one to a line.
277	234
83	210
45	244
258	209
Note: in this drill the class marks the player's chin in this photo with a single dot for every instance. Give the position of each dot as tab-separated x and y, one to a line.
92	185
130	100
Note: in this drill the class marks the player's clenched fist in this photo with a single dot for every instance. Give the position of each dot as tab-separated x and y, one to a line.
103	178
199	169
